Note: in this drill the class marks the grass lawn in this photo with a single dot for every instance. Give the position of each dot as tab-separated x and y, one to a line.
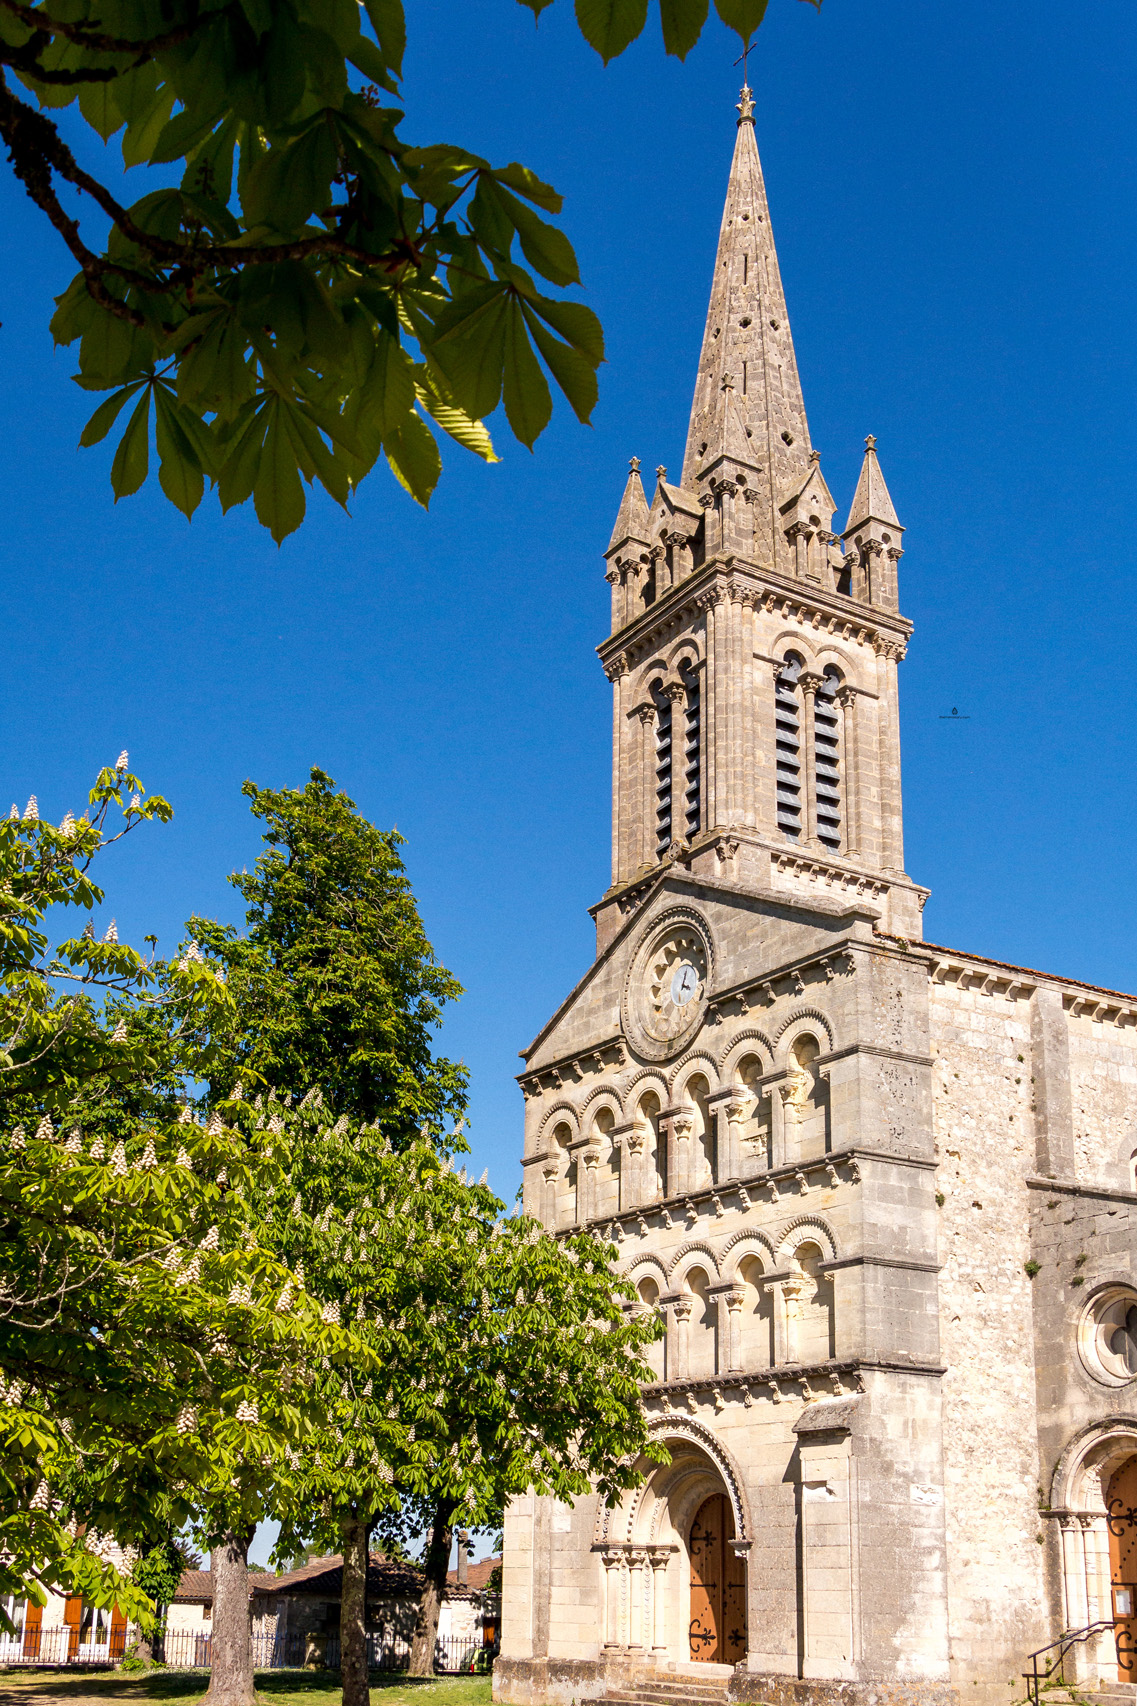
31	1687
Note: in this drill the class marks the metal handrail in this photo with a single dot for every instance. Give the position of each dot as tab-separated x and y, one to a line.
1034	1678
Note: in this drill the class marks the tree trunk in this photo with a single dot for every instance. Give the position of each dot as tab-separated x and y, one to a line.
433	1588
353	1614
231	1646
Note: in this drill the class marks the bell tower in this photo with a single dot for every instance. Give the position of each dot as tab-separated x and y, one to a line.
753	654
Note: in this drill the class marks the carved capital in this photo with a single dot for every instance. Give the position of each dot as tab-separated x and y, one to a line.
613	577
617	666
675	691
734	1300
645	713
683	1307
707	600
810	681
846	697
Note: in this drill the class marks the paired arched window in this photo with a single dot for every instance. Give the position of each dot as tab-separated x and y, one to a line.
787	719
692	768
663	767
827	760
678	762
797	768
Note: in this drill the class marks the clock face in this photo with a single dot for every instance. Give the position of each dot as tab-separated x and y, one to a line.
676	978
666	990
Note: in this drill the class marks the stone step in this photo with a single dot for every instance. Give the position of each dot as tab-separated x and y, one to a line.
663	1693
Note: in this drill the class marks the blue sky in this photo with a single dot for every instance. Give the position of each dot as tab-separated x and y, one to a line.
952	191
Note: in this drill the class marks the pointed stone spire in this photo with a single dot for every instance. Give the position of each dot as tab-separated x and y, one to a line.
871	501
631	520
748	421
872	537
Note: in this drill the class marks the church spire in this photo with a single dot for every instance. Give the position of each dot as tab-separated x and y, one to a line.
748	420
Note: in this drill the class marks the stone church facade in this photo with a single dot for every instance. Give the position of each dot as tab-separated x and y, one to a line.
881	1193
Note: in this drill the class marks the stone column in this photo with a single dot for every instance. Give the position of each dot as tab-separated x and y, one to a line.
810	683
612	1574
777	1126
1074	1597
787	1292
630	1186
681	1127
588	1206
636	1584
708	603
613	577
550	1176
681	1309
850	769
659	1556
616	671
730	1317
892	829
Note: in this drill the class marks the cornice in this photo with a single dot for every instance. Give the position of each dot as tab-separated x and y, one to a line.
844	1377
731	577
982	976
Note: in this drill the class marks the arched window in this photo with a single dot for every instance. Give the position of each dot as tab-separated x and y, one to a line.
701	1170
827	761
811	1304
608	1171
787	719
692	778
648	1292
565	1184
653	1161
662	768
757	1316
701	1326
806	1097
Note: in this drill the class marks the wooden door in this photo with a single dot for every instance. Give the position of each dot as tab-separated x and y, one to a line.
118	1634
72	1619
718	1586
33	1625
1121	1503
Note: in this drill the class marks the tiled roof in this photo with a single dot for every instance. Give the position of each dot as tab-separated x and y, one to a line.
387	1578
477	1575
194	1585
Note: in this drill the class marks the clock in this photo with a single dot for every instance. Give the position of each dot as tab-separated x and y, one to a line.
666	993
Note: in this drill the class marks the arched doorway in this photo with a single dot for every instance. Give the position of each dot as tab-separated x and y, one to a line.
718	1585
1121	1521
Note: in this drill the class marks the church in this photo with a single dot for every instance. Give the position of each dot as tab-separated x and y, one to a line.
881	1193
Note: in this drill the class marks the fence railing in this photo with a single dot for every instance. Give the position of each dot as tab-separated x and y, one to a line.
184	1649
1053	1656
61	1647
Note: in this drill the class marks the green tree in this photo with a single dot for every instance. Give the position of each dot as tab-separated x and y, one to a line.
508	1360
150	1344
314	293
334	986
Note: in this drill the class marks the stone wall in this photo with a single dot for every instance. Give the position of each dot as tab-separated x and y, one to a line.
984	1135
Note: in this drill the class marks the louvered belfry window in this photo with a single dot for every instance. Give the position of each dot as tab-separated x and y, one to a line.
787	720
692	777
662	769
827	761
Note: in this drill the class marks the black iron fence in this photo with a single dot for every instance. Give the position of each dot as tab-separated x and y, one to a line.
184	1649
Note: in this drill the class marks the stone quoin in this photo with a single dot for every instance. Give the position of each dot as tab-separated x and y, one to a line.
881	1193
